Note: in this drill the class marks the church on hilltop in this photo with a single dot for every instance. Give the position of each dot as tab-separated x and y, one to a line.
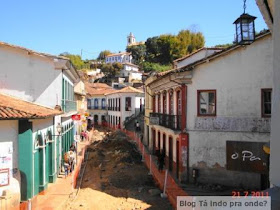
131	40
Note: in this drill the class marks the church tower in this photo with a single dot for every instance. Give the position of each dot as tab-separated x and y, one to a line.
131	39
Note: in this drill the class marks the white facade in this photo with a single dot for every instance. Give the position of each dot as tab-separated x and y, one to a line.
47	81
271	16
131	39
9	134
123	111
238	77
30	78
119	57
132	72
33	78
130	67
97	108
195	56
135	77
275	130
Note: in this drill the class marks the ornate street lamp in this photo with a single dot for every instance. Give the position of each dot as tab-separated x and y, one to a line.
59	129
245	28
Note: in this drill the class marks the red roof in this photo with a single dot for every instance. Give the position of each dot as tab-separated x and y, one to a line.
98	88
127	89
14	108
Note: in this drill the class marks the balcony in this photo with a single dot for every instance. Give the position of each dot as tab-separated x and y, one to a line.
68	106
114	108
169	121
97	107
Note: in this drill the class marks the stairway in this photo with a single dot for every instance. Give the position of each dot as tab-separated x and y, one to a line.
130	123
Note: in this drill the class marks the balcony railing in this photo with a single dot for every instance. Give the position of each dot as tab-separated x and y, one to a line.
97	107
169	121
114	108
68	106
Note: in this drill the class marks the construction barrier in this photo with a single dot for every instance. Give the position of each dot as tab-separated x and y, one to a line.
78	166
172	189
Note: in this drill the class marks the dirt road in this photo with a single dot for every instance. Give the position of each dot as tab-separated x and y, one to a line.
116	178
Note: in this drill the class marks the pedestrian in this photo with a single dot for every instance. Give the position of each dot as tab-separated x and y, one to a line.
137	126
86	135
73	147
82	135
66	164
71	160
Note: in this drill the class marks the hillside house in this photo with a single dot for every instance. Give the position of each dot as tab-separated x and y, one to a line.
122	57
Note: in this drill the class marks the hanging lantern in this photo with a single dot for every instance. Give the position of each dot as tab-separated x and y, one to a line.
245	28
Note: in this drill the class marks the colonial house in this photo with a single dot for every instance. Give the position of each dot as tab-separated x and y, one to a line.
195	56
37	102
131	72
270	9
123	104
211	115
122	57
271	13
127	68
96	102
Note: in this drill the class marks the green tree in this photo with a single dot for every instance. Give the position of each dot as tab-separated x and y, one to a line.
197	41
75	59
102	55
138	53
224	45
184	37
152	50
111	69
148	67
169	46
190	41
165	48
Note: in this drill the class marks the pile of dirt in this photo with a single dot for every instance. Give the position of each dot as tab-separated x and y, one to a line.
116	178
123	150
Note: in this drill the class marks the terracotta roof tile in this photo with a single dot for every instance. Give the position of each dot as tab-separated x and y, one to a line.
14	108
98	88
127	89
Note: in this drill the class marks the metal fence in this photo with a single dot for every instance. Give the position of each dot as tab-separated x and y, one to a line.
172	189
169	121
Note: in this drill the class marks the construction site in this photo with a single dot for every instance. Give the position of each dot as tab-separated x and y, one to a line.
114	176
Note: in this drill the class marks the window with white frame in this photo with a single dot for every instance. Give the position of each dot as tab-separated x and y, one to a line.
206	102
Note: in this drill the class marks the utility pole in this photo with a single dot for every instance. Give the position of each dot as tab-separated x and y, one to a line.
82	54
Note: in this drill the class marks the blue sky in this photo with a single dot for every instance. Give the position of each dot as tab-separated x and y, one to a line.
56	26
